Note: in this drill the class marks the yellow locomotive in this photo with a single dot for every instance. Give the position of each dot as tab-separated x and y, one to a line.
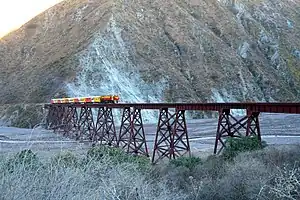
92	99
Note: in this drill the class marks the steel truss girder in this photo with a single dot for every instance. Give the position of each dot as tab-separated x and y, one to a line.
229	126
171	138
105	131
132	134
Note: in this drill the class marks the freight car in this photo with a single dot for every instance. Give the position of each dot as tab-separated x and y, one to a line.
92	99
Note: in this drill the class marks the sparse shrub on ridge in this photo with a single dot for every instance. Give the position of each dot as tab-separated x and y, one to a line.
98	152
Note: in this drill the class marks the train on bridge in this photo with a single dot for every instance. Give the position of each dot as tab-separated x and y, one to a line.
74	118
91	99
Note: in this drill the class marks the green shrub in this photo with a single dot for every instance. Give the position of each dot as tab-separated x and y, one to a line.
188	162
25	159
66	159
242	144
99	152
116	155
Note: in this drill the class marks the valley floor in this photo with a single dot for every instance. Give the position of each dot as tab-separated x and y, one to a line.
276	129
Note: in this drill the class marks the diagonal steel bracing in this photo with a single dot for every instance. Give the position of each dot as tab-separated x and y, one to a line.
171	138
229	126
124	134
59	113
137	143
110	135
105	128
253	127
98	136
70	121
180	134
163	140
86	127
132	134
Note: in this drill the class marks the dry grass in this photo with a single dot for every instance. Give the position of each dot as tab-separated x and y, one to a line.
65	177
114	175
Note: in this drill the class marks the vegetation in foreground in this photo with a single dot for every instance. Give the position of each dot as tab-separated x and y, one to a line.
106	173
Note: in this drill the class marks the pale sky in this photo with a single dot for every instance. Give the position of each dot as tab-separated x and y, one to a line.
15	13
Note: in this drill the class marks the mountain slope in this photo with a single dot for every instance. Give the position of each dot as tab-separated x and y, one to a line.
37	59
177	50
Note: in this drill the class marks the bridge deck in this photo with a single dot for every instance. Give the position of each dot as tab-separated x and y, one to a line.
293	108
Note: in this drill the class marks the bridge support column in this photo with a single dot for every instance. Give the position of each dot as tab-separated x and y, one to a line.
105	127
98	136
170	136
59	118
124	135
86	127
70	121
132	134
51	117
229	126
180	135
253	127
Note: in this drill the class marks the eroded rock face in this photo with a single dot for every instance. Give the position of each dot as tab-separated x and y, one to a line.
153	50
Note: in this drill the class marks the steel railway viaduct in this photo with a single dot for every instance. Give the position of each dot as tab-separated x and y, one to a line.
75	120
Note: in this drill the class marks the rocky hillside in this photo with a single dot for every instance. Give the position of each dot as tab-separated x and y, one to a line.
153	50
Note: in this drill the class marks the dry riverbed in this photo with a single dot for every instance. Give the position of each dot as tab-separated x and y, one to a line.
277	129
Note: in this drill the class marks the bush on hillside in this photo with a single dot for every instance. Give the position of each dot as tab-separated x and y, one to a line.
188	162
116	155
25	159
235	145
100	179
